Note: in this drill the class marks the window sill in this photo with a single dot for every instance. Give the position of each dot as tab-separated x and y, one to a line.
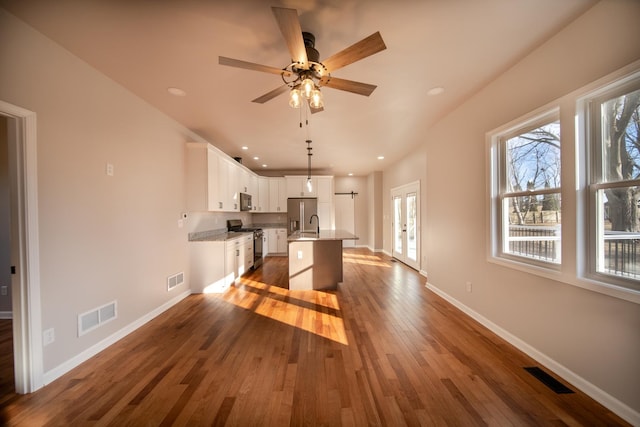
551	273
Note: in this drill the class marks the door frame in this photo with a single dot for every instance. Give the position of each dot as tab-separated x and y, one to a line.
25	248
404	189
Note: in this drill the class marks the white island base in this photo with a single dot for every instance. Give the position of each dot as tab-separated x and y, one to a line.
315	261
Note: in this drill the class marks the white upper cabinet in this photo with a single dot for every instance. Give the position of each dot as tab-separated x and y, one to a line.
254	187
262	204
203	178
297	186
215	181
277	195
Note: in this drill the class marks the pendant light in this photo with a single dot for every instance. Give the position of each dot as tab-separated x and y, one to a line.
309	186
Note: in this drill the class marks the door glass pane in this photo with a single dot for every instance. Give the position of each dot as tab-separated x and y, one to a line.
412	250
397	224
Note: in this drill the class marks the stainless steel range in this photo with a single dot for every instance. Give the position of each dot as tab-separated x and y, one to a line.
236	225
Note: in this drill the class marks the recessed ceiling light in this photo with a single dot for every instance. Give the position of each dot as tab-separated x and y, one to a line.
435	91
244	147
176	91
380	157
256	158
350	174
264	166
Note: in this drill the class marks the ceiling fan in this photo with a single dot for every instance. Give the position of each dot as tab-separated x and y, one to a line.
306	74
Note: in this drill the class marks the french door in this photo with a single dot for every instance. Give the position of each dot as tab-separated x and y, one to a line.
405	206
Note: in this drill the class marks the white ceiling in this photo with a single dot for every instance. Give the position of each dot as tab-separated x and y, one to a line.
150	45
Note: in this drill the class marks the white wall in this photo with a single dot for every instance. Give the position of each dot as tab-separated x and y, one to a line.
375	209
595	336
101	238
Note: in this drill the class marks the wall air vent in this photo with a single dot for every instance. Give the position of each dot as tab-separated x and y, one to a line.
91	319
175	280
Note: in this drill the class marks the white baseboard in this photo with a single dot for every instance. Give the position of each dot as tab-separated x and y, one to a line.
5	315
423	273
619	408
65	367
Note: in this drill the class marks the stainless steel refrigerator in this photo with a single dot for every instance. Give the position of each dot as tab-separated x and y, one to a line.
299	213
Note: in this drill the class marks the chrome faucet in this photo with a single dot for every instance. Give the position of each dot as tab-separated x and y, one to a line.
311	221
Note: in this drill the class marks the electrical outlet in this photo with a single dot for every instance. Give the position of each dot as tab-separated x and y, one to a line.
48	336
469	287
180	223
299	254
109	169
4	290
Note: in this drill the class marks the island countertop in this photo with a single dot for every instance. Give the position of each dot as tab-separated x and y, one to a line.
324	235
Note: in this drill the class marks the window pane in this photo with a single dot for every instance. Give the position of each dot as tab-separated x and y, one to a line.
618	238
533	159
620	141
533	227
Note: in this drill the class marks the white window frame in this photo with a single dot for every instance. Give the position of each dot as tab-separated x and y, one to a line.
574	269
589	133
497	190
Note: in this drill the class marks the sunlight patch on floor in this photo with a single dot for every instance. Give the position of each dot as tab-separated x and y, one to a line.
364	260
316	312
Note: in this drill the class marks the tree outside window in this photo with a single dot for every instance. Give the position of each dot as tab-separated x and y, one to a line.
531	199
616	184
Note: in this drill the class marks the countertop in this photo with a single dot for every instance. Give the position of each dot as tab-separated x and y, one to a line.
217	236
324	235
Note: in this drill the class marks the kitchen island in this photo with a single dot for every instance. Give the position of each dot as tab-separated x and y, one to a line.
315	259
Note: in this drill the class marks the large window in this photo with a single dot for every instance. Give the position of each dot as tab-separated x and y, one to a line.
613	136
526	200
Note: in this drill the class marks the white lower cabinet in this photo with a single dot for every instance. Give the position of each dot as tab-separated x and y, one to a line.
277	241
207	273
238	257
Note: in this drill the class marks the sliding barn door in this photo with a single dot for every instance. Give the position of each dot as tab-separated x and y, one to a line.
345	216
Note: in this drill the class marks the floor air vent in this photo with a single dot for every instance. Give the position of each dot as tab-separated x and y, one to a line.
97	317
175	280
549	381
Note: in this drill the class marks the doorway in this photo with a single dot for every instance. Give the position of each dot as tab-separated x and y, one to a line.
346	216
405	208
21	147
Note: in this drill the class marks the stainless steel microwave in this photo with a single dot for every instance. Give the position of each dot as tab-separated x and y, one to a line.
245	202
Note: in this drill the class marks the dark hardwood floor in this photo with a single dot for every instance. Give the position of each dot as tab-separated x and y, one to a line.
381	350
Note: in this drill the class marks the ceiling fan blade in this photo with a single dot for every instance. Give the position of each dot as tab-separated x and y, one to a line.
270	95
223	60
360	50
348	85
292	32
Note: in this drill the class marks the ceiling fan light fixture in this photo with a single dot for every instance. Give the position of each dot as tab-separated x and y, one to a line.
316	99
307	86
295	98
